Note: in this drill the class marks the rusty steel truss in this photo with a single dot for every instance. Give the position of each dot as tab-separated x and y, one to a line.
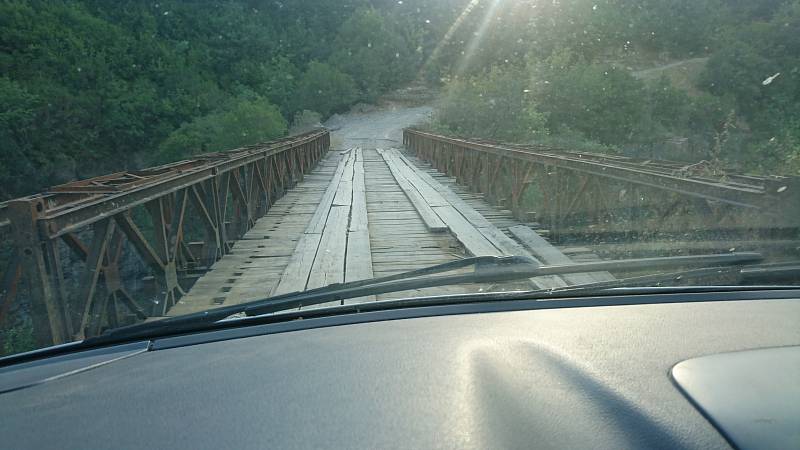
592	193
215	198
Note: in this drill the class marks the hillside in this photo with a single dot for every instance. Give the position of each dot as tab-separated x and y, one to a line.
90	87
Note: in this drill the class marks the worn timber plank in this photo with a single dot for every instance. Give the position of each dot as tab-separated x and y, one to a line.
342	252
475	217
478	235
422	205
510	247
256	262
358	262
399	238
317	223
552	256
489	230
474	242
358	213
472	239
295	276
328	267
431	196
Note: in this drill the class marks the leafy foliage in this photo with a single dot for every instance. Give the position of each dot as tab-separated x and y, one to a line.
91	86
759	72
374	52
325	89
17	129
578	59
602	102
496	105
305	121
18	339
245	122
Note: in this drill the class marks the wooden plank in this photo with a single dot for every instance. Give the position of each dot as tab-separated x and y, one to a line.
575	250
506	245
509	247
428	197
317	223
358	219
344	192
474	242
537	244
412	175
328	265
432	221
351	154
295	276
553	256
258	262
359	256
451	197
324	263
358	264
358	212
478	235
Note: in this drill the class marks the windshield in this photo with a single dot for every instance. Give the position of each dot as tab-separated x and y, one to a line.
164	158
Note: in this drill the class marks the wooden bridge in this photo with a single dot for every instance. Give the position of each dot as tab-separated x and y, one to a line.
293	214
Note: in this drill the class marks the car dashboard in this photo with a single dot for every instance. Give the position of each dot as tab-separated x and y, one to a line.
502	377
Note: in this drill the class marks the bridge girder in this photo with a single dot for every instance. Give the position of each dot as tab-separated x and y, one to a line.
67	246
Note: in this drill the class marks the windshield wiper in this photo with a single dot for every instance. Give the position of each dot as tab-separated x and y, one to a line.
487	269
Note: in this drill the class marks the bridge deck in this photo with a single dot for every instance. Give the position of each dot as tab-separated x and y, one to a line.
364	213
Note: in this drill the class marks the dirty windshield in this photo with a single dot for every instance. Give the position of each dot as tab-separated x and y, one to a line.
163	157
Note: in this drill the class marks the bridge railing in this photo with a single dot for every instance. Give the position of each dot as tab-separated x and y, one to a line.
585	193
74	253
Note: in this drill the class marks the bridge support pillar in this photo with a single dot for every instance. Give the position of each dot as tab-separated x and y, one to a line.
47	310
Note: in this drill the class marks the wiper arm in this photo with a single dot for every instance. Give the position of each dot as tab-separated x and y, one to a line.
742	275
292	300
487	269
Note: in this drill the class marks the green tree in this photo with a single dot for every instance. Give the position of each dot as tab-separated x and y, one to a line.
373	52
244	122
669	107
496	105
325	89
605	103
756	73
17	339
276	80
18	157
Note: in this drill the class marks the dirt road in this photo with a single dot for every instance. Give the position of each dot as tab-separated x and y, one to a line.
381	127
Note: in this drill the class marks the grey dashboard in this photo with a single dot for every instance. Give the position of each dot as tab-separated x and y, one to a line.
593	377
753	396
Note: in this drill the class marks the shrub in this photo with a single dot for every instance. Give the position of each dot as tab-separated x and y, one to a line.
604	103
373	51
18	339
495	105
244	122
305	120
325	89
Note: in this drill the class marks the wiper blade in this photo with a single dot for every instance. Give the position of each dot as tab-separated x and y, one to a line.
487	269
740	275
293	300
647	284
